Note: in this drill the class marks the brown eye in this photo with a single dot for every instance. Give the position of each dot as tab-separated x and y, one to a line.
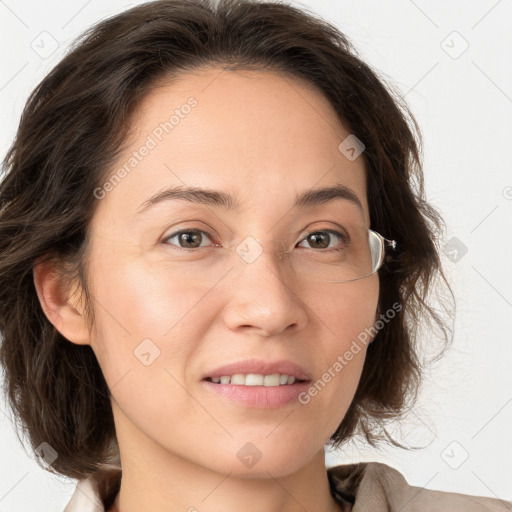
188	239
322	239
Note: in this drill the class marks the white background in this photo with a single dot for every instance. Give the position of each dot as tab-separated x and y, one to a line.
463	103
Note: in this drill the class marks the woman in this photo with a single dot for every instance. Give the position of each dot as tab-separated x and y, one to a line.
215	250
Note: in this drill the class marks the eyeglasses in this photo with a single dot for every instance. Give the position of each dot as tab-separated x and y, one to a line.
325	255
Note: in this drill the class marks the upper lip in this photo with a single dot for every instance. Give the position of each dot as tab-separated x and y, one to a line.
260	366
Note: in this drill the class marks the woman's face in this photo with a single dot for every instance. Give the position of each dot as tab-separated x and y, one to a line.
166	318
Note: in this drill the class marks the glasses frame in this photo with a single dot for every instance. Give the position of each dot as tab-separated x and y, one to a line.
384	242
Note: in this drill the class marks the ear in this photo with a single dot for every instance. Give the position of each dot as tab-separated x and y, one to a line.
58	303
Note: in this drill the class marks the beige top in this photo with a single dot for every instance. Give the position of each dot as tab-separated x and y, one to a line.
370	486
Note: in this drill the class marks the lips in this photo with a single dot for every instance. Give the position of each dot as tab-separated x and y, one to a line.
261	367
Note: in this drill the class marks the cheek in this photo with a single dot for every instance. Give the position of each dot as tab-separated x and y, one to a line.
350	308
142	297
144	339
144	319
347	318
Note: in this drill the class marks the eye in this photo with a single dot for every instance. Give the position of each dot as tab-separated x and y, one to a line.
322	239
190	238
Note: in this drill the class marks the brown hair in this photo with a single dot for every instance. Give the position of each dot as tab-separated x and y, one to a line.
74	125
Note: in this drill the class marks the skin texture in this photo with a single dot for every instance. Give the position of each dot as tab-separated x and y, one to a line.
264	138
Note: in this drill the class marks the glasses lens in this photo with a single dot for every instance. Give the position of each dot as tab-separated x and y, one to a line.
343	255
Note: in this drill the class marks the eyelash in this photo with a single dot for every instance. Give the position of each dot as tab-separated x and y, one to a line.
192	230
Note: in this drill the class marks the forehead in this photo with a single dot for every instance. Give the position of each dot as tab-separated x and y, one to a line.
260	136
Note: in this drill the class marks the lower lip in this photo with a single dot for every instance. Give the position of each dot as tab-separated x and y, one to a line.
260	397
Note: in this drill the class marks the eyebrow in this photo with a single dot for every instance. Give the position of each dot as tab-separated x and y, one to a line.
217	198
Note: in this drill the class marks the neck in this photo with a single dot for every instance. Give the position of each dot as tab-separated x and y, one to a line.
157	480
208	491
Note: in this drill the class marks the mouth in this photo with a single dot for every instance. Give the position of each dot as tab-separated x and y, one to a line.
256	380
258	372
255	394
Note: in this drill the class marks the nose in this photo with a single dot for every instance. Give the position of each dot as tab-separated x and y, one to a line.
262	298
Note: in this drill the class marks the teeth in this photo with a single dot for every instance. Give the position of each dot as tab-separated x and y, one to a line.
255	379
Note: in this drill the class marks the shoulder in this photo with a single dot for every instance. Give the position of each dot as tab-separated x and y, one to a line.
378	487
